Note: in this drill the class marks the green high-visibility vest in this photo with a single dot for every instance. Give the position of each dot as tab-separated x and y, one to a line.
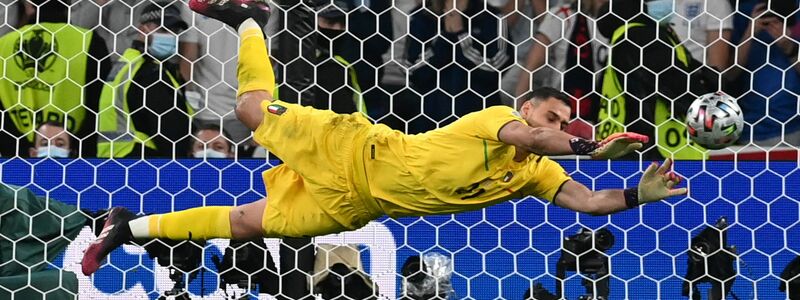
671	136
44	74
358	100
118	135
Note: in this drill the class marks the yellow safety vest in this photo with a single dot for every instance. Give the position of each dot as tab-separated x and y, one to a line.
358	100
44	74
671	136
118	135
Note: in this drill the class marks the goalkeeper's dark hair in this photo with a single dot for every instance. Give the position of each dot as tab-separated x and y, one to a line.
545	93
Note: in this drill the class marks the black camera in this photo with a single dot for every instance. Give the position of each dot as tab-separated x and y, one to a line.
538	292
343	282
583	252
419	285
711	260
585	240
247	265
790	279
413	271
181	257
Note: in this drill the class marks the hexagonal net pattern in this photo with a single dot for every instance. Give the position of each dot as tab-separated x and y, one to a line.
131	103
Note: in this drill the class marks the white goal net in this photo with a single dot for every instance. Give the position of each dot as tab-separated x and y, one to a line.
129	103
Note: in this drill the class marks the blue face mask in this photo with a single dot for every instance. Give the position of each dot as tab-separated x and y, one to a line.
52	151
163	45
660	10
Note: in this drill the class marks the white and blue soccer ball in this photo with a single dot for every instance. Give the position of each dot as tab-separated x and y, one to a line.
714	121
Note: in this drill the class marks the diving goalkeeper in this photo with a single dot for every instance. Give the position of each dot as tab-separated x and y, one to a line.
340	172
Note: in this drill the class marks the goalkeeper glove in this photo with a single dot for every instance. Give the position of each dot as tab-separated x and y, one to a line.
618	145
657	183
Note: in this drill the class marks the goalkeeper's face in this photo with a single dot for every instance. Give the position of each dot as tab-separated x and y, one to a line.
551	113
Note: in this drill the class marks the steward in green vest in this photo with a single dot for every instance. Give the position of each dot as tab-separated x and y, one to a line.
650	82
337	83
51	72
143	112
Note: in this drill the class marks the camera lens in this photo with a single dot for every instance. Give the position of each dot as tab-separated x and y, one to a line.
413	270
603	240
699	250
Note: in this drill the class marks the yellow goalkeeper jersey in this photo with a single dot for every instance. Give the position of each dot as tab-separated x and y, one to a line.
462	166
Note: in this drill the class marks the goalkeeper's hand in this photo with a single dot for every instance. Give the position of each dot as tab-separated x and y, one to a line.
618	145
657	183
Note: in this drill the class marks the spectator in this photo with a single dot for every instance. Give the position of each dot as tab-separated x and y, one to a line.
39	84
566	41
648	73
769	53
150	117
111	19
338	89
371	24
457	70
211	141
52	140
705	28
210	68
522	18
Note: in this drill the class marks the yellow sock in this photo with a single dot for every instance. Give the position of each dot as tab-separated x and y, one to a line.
201	223
254	69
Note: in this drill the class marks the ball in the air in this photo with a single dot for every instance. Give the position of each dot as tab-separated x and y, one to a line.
714	121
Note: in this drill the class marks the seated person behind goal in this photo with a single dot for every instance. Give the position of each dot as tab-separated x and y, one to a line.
52	140
211	141
340	172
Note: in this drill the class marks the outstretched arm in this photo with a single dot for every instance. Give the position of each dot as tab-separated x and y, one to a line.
546	141
657	183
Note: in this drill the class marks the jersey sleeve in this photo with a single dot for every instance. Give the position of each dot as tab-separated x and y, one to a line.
488	122
547	179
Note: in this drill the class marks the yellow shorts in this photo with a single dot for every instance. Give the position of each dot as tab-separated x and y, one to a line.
321	186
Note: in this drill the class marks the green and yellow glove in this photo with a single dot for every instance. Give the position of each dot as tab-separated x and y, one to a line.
618	145
657	183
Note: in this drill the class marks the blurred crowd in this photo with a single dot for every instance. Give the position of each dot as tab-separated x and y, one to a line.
133	79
